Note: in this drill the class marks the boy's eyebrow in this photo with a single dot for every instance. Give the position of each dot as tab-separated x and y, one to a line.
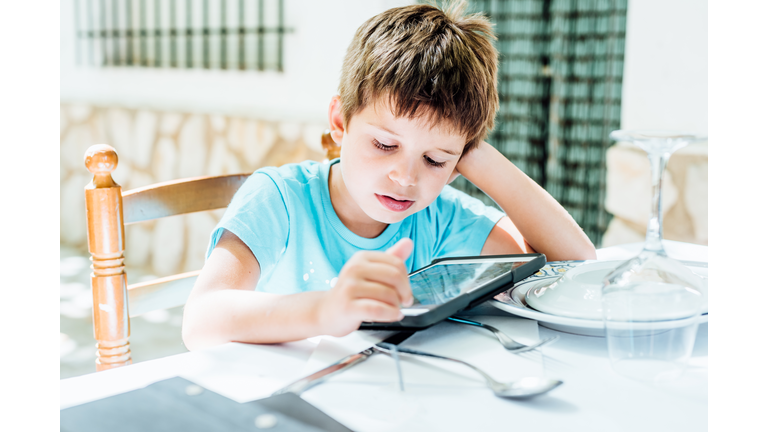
450	152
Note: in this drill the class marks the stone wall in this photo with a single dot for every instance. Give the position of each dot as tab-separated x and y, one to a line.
684	195
157	146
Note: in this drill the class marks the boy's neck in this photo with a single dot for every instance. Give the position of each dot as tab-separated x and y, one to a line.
350	214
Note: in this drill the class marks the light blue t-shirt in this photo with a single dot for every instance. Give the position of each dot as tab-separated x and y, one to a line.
285	216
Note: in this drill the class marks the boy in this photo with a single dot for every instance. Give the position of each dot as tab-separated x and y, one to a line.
310	249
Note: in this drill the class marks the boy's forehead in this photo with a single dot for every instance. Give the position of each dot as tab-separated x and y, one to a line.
385	111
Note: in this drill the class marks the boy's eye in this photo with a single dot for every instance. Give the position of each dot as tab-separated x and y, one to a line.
381	146
429	160
433	162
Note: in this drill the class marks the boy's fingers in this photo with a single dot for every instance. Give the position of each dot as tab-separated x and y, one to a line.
402	249
390	276
377	291
376	311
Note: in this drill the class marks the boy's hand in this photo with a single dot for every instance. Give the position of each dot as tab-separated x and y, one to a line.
454	175
371	287
466	156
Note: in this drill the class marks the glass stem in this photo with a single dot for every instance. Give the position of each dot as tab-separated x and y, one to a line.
653	235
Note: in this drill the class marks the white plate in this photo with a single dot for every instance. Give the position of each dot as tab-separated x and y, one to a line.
513	301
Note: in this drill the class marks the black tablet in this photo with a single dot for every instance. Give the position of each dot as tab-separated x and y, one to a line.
450	285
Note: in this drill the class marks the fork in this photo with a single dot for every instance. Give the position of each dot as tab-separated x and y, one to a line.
507	342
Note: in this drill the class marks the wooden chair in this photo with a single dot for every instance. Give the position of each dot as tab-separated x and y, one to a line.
108	210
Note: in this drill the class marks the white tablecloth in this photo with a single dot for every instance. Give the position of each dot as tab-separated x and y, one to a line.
440	395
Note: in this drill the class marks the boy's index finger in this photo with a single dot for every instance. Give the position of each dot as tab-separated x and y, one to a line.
402	249
397	279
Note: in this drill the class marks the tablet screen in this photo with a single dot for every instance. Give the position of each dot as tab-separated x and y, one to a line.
437	284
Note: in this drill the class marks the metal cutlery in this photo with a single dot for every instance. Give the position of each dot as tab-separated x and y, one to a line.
507	342
519	389
303	384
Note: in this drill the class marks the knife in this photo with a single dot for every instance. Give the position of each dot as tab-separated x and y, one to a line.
303	384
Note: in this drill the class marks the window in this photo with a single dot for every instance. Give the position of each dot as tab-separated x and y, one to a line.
188	34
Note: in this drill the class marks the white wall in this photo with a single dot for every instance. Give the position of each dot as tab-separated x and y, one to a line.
313	57
665	66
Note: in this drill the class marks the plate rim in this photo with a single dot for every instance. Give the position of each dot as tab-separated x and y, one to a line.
530	313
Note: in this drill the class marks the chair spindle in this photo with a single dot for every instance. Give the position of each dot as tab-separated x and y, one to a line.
106	243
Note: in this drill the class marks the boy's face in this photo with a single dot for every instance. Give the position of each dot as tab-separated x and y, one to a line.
394	167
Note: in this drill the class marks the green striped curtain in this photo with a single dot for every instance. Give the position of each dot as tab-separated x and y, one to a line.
560	73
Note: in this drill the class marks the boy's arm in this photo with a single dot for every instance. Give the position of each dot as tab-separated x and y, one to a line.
223	306
535	221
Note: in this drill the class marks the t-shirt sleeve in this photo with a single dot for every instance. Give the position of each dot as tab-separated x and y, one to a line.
463	224
259	217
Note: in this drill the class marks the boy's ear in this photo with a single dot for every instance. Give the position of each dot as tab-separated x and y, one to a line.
336	119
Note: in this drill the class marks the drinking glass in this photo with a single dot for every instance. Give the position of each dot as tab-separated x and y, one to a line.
652	303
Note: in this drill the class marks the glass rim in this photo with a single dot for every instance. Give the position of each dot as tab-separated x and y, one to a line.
655	134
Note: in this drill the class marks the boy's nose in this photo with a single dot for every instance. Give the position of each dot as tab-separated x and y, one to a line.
403	174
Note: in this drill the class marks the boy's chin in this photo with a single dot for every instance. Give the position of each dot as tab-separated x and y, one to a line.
386	217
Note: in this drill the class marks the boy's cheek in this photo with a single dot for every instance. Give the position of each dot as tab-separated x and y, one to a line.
454	175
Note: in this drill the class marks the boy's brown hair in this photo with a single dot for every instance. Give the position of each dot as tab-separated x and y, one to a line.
426	61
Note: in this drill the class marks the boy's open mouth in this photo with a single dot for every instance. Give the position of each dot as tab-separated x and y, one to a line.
394	204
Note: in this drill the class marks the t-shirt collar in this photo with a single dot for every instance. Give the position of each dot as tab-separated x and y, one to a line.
361	242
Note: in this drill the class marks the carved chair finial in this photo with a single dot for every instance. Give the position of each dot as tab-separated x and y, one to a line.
101	160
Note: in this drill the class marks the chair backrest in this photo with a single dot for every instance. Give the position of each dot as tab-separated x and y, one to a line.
108	210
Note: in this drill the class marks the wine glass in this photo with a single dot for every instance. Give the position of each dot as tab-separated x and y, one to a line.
652	303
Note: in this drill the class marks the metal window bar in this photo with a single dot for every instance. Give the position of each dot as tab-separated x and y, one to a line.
181	33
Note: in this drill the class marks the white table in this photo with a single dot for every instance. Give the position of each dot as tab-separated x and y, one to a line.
440	395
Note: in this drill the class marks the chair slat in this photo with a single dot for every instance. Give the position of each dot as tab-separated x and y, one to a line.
179	197
163	293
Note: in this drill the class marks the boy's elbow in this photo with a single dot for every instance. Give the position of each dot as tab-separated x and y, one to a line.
192	332
587	251
589	254
189	335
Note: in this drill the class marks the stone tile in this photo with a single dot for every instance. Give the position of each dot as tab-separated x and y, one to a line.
138	242
138	179
199	229
168	245
165	160
258	139
218	123
99	126
170	122
622	232
72	210
193	147
78	113
312	135
122	174
696	199
63	119
218	158
289	131
235	134
146	135
628	185
232	165
121	132
73	146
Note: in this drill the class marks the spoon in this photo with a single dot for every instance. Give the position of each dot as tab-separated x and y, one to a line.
519	389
